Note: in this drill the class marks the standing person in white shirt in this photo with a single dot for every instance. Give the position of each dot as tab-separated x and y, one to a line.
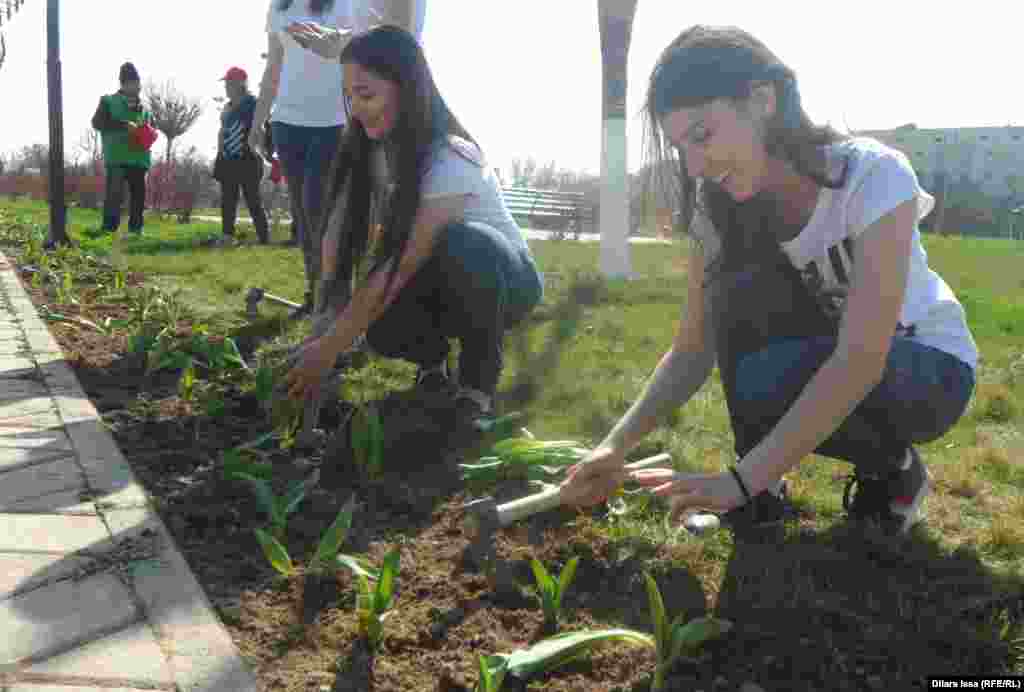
301	93
812	292
450	262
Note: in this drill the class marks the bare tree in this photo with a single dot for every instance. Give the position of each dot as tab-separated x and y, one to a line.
32	157
11	6
91	146
173	112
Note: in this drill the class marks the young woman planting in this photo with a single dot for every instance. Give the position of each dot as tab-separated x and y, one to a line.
450	261
811	289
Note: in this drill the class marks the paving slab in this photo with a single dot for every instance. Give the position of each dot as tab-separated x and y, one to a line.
12	347
26	407
62	502
37	437
22	389
12	458
21	572
33	687
30	486
47	420
51	619
50	533
131	655
16	365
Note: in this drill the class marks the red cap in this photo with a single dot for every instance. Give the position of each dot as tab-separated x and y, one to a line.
235	73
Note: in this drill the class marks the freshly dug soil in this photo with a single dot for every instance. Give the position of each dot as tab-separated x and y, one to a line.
844	614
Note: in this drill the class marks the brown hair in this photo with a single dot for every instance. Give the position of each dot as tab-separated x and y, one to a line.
706	63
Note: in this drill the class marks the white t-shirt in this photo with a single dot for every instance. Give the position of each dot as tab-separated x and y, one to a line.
459	168
879	179
310	92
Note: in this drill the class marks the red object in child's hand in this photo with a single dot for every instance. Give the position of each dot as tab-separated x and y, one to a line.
144	136
275	172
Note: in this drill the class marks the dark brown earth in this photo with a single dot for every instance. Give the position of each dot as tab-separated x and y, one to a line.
839	612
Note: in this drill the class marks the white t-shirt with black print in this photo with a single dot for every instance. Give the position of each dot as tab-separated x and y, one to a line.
458	168
879	179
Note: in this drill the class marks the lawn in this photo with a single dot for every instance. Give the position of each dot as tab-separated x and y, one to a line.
823	606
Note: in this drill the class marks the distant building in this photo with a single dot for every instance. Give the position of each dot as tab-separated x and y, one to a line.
990	157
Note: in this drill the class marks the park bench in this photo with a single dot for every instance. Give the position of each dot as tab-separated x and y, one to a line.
567	212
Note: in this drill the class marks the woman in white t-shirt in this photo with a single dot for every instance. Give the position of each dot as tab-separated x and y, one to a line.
302	84
812	291
450	261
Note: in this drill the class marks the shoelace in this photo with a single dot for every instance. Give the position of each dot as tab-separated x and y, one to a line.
871	498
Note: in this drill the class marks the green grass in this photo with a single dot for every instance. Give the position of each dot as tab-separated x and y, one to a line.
601	347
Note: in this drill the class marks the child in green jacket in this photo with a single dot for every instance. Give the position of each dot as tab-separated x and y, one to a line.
117	117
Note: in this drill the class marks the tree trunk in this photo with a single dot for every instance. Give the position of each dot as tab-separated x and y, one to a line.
58	214
616	25
170	145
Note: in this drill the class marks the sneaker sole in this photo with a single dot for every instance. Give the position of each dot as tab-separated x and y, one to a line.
914	515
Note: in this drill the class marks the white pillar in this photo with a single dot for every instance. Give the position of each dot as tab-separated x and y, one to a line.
614	211
615	20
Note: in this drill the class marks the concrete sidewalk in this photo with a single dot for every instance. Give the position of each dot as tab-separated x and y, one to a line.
94	595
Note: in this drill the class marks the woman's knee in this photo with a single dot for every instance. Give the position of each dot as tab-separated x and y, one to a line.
768	381
470	253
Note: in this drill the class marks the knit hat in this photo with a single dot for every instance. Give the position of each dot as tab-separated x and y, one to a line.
129	73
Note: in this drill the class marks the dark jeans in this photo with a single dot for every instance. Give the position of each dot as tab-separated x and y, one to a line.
117	177
476	285
923	393
242	175
306	154
772	339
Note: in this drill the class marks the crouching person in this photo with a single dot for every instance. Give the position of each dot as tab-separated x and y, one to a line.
450	261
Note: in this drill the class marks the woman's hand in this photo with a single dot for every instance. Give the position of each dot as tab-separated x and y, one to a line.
313	364
595	478
326	42
255	140
718	492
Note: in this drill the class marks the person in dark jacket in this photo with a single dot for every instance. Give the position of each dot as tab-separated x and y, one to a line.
117	117
238	168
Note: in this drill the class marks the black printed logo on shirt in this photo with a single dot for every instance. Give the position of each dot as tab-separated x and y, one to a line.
828	278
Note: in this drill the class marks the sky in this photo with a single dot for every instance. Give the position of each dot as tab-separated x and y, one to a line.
525	77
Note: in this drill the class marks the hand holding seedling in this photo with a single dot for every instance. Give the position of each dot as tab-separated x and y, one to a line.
313	364
713	491
594	479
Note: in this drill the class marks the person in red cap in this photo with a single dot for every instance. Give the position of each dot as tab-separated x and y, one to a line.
238	167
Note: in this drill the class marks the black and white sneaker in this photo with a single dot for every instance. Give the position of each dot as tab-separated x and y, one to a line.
768	510
894	500
433	379
474	412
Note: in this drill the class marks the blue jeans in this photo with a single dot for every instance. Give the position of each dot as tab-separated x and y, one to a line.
772	337
923	393
475	285
306	154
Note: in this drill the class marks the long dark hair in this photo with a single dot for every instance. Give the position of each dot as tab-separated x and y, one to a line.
315	6
423	124
706	63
